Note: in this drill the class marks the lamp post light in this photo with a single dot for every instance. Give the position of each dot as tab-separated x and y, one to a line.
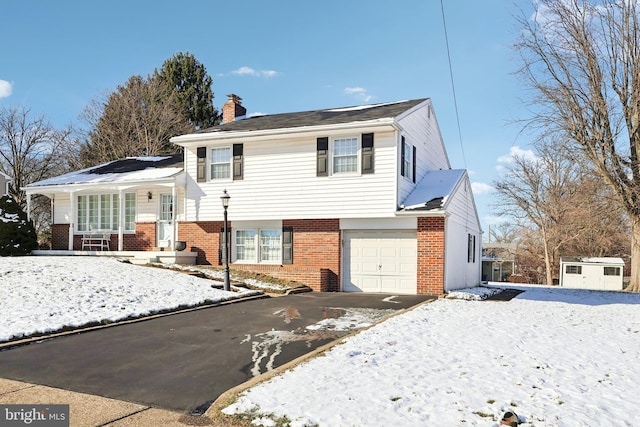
225	204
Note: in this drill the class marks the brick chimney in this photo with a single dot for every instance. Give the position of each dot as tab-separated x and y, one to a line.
232	109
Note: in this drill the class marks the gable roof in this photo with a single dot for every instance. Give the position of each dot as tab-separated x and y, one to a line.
330	116
124	170
433	191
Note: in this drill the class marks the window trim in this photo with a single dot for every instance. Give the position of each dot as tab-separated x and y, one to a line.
210	163
114	200
257	233
357	155
612	271
575	269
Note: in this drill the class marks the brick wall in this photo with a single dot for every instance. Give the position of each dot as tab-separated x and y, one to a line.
431	255
316	251
202	238
144	239
60	237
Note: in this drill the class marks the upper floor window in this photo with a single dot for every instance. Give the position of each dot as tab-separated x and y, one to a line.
345	155
348	155
220	163
408	160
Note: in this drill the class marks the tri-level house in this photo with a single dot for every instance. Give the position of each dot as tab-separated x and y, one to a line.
345	199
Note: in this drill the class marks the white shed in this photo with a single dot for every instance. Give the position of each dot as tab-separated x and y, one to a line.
591	273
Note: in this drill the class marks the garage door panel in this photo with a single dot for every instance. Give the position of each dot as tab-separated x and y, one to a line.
380	261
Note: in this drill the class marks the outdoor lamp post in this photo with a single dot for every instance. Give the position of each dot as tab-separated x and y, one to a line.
225	204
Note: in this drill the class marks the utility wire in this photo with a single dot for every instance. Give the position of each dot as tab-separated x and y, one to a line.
453	86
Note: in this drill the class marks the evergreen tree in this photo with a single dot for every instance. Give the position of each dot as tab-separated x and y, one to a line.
188	78
17	234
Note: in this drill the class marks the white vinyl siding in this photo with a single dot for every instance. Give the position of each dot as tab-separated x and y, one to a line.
421	130
280	181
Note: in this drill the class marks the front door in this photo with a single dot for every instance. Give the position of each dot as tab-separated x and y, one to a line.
165	221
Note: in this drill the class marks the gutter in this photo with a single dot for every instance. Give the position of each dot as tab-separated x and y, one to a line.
247	135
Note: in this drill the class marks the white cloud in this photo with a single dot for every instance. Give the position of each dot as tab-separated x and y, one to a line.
515	151
358	92
495	220
248	71
5	88
480	188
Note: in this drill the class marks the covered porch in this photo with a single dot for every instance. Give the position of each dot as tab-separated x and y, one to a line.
116	209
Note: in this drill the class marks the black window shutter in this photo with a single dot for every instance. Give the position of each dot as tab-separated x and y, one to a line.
287	245
367	153
474	249
237	162
402	171
414	164
201	164
222	255
322	146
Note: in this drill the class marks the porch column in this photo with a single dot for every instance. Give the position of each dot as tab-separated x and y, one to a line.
174	214
28	206
73	215
121	220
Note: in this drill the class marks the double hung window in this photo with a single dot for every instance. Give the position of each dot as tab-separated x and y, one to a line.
220	163
345	155
258	246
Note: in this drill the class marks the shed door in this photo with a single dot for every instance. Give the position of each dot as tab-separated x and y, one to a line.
380	261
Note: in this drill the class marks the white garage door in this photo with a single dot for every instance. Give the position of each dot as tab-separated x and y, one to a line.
380	261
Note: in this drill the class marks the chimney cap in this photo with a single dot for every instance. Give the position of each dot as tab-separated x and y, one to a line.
234	98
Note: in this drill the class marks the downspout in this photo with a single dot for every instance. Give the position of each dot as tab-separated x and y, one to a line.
174	213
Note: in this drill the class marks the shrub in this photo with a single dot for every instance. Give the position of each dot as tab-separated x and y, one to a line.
17	234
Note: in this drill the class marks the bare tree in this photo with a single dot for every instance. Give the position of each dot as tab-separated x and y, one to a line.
137	119
31	149
582	61
541	193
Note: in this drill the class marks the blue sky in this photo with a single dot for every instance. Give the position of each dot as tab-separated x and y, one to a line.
282	56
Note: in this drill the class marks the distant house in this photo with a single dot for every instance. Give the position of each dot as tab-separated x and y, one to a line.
346	199
498	261
592	273
4	183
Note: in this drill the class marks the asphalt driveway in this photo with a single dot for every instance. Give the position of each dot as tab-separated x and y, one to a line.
183	362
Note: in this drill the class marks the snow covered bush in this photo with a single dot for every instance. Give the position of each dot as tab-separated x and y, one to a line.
17	234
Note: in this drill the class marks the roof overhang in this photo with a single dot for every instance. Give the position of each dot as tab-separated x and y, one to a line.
176	179
250	135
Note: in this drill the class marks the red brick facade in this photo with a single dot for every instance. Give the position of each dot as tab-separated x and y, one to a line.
431	255
316	251
144	238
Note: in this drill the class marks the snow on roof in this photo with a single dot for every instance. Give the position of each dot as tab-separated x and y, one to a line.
433	191
124	170
361	107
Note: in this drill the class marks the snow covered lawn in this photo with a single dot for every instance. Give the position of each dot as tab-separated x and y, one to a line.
556	357
40	294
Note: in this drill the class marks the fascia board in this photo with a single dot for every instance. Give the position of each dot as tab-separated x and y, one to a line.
199	138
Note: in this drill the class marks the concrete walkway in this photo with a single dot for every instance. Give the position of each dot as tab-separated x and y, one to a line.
87	410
